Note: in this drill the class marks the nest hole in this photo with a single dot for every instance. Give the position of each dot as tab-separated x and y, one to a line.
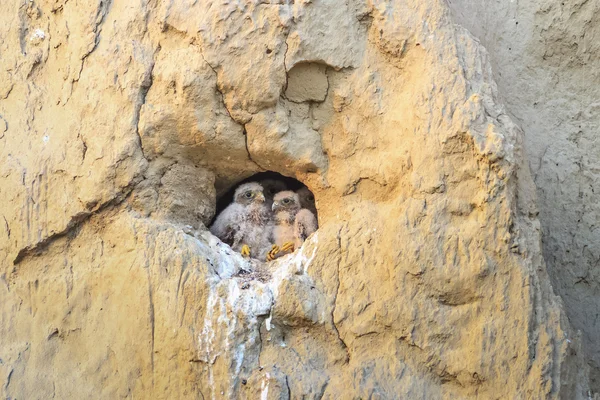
227	198
282	212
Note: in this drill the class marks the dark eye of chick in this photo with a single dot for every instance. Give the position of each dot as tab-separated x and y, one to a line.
248	195
311	198
286	201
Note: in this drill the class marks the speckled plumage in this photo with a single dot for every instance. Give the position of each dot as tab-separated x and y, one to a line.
291	222
246	221
286	205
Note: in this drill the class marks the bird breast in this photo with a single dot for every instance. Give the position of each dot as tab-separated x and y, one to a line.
285	218
258	214
283	234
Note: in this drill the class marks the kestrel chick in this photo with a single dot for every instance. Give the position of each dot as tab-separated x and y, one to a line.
286	206
246	223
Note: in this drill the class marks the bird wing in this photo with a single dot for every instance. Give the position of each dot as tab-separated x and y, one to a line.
228	223
304	225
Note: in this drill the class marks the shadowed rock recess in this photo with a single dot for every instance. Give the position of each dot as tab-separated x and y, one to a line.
122	122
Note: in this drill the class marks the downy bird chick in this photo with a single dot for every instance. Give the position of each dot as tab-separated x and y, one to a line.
246	223
292	225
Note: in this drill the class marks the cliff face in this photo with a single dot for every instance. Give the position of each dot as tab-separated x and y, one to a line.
546	57
120	125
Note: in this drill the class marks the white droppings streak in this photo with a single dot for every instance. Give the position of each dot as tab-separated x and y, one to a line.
290	264
287	266
38	34
264	387
222	258
229	307
268	320
207	337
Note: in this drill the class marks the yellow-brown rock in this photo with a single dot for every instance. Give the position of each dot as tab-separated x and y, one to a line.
122	122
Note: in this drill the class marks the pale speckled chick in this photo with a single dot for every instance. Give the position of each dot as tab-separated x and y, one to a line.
286	205
292	224
246	221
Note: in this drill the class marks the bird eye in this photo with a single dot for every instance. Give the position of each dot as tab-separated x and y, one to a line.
248	195
286	201
311	198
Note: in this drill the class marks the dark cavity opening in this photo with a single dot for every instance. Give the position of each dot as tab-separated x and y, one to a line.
227	198
265	224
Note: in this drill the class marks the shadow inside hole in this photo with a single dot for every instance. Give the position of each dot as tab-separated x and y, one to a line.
227	198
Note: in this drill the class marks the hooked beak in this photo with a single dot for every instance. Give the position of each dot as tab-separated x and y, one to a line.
261	197
275	206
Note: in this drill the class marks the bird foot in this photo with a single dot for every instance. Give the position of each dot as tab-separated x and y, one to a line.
245	251
273	253
287	247
276	251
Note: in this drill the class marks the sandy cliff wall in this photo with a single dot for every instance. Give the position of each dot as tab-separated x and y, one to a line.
122	122
545	57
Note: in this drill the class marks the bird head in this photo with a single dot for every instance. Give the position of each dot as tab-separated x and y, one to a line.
307	199
249	193
286	201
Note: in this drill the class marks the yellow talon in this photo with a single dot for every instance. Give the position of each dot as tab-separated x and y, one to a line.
245	251
274	250
288	247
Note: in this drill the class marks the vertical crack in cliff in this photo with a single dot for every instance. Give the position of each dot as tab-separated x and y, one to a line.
287	47
145	86
152	322
217	87
245	132
8	378
6	226
337	289
248	151
99	20
287	386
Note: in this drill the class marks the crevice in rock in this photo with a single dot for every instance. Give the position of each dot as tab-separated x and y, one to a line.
287	77
100	17
217	87
229	112
145	86
287	386
248	151
75	223
152	321
337	289
8	378
8	91
260	340
7	227
84	150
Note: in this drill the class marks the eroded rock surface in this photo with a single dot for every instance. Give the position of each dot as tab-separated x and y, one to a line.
545	61
122	122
